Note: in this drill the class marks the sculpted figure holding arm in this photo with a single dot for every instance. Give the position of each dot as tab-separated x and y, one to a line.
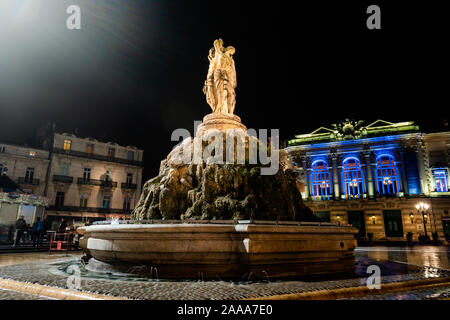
221	79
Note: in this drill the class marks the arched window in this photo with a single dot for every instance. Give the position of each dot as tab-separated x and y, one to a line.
320	180
387	175
352	178
440	179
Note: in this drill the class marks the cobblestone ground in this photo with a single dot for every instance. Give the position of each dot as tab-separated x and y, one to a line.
47	273
422	294
13	295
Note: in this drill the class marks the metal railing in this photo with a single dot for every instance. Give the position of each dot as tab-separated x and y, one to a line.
96	182
126	185
98	157
60	178
25	180
87	209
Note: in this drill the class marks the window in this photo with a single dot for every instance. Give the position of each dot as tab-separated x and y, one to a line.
29	175
111	152
393	223
386	175
2	149
356	219
59	199
83	200
87	174
352	178
129	178
89	149
440	179
1	169
131	155
63	169
106	202
126	204
67	144
320	180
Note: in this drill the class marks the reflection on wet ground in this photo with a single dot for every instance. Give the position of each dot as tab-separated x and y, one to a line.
428	256
19	258
396	264
401	260
422	294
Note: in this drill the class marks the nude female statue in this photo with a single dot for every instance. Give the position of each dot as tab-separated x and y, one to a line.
221	79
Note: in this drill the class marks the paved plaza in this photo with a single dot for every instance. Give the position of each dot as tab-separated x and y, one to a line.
397	264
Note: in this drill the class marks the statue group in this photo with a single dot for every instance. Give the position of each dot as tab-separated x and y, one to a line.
221	79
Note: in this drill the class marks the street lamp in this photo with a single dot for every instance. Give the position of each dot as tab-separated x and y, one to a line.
421	206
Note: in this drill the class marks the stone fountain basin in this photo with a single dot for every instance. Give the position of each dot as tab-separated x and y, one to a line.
221	250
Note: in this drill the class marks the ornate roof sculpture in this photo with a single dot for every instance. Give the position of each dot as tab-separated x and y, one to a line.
352	129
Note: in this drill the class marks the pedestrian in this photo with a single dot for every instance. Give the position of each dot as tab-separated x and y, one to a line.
45	228
62	229
62	226
37	232
28	233
21	226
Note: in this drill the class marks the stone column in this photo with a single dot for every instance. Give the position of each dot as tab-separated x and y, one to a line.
370	189
421	165
402	173
305	170
336	190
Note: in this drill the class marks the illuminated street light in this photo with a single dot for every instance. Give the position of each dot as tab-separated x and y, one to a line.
423	207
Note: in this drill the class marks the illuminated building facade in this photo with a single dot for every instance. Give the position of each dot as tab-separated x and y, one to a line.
373	177
81	178
92	180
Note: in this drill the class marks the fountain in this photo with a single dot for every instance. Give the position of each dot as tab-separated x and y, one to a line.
221	219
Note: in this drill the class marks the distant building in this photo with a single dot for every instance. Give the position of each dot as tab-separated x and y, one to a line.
83	178
374	176
14	204
26	166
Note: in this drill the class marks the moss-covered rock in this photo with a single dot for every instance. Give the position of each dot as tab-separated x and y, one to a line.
211	191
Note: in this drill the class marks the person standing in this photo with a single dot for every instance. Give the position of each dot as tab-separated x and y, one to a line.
37	231
21	226
62	229
45	228
62	226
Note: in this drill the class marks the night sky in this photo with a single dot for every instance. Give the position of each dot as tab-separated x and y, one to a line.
135	70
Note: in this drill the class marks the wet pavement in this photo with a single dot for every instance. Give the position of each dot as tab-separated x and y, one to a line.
422	294
396	264
20	258
429	256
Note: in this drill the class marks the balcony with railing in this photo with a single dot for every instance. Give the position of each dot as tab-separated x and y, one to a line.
28	180
87	209
96	182
63	179
90	155
126	185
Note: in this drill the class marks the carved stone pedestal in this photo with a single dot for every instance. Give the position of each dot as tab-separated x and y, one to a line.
222	122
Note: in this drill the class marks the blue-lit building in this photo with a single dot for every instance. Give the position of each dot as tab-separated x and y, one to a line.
374	176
